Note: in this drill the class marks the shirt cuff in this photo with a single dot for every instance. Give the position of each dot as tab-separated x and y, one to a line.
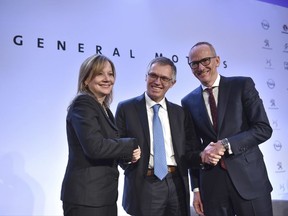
227	146
196	190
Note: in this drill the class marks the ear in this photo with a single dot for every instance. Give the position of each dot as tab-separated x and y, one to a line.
217	61
173	83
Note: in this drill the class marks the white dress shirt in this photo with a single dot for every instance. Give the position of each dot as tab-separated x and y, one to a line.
163	115
215	90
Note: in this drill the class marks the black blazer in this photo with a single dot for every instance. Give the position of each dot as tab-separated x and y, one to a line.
132	121
91	176
243	120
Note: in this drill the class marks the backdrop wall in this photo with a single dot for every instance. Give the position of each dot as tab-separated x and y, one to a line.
43	43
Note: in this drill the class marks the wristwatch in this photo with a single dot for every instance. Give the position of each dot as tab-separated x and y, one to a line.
225	143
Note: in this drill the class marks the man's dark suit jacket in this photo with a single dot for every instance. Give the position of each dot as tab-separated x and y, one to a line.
91	177
132	121
243	120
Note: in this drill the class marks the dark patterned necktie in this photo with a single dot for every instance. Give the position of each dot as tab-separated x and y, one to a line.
213	107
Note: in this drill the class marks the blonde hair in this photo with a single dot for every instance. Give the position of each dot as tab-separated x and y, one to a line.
91	67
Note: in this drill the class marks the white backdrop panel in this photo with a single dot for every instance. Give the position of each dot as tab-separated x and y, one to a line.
39	78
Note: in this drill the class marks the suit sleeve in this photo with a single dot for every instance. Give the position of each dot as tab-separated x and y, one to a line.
121	124
258	128
85	120
192	143
120	120
192	150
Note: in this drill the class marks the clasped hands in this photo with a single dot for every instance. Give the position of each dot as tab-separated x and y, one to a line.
212	153
136	155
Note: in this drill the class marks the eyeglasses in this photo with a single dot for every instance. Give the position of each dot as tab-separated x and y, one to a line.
205	61
163	79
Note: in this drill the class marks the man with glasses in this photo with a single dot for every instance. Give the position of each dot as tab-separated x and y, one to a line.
145	192
231	123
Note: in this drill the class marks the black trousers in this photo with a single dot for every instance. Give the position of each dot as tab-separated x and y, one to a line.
227	202
163	198
80	210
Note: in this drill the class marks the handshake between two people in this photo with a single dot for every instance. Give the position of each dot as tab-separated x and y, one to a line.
213	153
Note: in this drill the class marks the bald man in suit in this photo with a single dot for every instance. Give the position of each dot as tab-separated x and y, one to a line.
233	179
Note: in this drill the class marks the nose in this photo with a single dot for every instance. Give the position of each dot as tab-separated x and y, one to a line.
158	80
200	66
106	77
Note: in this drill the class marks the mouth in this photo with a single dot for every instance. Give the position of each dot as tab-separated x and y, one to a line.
199	73
105	85
156	88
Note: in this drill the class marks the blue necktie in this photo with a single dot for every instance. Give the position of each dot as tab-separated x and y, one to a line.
160	164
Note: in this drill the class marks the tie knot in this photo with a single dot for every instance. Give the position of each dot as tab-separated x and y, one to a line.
209	90
156	108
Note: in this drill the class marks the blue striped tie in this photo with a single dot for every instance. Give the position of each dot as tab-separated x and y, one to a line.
160	164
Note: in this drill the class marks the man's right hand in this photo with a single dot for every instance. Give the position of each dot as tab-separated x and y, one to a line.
197	204
136	155
212	153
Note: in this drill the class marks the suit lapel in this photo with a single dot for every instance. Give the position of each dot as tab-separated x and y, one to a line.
172	115
223	95
142	113
202	113
110	118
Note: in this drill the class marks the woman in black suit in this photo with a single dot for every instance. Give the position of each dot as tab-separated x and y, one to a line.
90	185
